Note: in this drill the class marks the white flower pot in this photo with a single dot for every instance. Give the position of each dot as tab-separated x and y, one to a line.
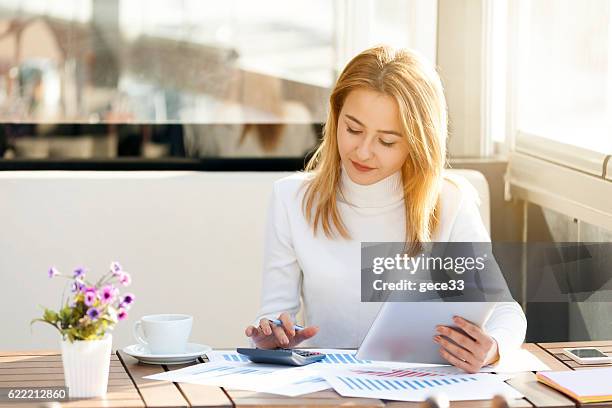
86	366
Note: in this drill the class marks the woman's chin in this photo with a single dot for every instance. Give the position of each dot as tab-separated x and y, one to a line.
363	177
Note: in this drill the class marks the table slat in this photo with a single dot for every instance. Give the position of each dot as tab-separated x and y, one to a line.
201	395
121	390
46	370
545	357
321	398
593	343
154	393
46	358
539	394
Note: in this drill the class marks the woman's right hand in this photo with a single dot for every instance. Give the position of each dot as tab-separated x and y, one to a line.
270	336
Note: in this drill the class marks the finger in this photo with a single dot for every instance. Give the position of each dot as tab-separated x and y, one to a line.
456	362
265	326
287	324
250	330
257	333
280	335
461	339
455	350
499	402
306	333
470	328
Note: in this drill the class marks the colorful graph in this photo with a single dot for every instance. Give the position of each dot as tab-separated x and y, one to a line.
220	371
401	373
330	358
239	358
362	384
343	358
310	380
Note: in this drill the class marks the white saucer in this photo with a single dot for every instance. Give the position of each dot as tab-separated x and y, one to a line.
142	354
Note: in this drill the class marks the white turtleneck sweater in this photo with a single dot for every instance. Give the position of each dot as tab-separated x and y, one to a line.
327	272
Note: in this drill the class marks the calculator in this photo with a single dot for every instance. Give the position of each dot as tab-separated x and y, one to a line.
281	356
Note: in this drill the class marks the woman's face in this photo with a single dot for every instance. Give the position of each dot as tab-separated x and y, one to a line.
370	141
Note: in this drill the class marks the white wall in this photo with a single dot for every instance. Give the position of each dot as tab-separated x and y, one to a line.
192	242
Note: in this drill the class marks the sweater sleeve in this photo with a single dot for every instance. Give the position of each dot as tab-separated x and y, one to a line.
282	276
507	324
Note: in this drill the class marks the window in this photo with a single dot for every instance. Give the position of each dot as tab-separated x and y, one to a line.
160	78
560	105
565	72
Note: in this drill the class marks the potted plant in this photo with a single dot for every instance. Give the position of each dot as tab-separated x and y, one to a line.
84	321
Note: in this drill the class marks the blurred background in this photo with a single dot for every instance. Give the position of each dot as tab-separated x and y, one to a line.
188	79
243	85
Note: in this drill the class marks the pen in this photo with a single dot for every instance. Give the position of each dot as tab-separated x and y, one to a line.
279	323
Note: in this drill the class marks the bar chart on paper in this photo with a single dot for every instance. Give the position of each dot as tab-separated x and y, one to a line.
209	373
385	384
341	357
458	387
402	373
235	357
249	376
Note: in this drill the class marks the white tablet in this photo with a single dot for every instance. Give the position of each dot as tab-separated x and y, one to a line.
404	331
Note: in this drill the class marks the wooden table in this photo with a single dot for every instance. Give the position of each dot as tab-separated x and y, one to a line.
127	388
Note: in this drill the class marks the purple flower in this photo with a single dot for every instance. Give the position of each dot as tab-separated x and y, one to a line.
125	278
90	296
93	313
108	294
115	268
77	287
53	272
79	273
127	300
123	314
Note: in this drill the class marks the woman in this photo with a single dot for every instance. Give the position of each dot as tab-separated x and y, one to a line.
377	176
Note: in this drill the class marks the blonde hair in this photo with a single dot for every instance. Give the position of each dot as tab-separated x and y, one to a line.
417	89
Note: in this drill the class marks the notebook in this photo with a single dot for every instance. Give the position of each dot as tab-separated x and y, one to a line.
593	385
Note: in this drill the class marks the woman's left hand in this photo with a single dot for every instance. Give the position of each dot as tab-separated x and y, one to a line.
473	350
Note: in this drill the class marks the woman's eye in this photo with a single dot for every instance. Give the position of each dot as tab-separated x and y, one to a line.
352	131
386	144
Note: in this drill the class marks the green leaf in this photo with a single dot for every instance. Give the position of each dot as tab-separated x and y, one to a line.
45	321
50	316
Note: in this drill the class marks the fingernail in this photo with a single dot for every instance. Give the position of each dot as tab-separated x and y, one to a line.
457	319
436	338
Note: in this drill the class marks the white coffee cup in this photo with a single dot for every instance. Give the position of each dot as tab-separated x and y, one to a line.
164	333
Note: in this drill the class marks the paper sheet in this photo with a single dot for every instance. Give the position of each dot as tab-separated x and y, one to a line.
226	355
520	360
348	377
349	383
249	376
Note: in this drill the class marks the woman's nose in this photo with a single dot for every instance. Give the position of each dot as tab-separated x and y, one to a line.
364	150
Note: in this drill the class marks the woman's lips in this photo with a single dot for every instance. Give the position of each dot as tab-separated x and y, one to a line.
361	167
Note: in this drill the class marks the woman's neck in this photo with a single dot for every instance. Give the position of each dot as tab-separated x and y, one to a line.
383	193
